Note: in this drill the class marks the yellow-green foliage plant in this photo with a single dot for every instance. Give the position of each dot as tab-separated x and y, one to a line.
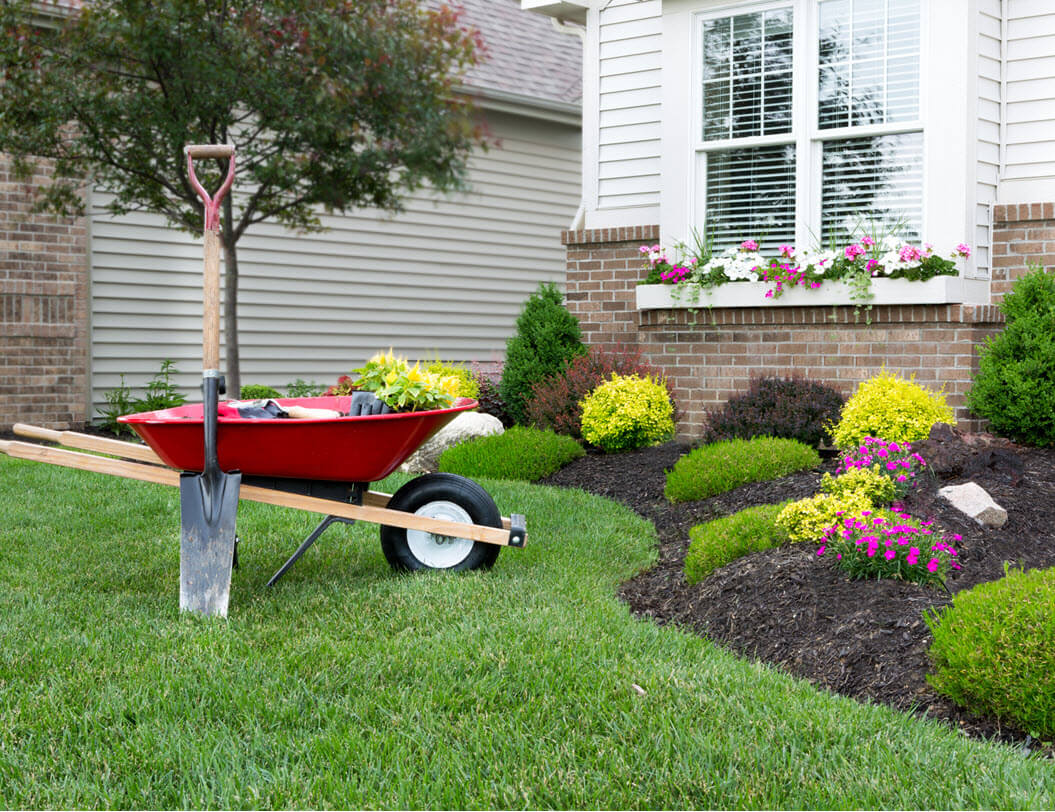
880	489
627	412
466	387
807	519
890	407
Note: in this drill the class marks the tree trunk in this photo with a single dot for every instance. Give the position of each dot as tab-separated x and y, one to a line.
230	302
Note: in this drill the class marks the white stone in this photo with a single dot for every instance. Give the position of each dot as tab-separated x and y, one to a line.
972	499
464	427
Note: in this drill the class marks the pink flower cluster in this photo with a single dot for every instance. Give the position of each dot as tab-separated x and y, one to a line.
783	274
895	460
870	546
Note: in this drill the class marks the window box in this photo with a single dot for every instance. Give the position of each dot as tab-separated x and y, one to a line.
937	290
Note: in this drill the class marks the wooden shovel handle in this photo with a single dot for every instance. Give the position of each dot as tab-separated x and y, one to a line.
209	150
211	302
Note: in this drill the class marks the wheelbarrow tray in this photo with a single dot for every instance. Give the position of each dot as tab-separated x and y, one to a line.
343	449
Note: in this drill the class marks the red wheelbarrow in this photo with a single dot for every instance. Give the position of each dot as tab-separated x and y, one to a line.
434	522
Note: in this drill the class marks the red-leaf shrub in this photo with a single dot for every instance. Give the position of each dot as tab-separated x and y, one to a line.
554	401
790	407
490	399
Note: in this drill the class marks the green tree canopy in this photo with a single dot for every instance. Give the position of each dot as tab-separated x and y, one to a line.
330	104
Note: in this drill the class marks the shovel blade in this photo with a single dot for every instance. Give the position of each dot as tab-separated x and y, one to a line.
208	510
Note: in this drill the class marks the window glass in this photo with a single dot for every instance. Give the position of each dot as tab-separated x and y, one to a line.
751	195
747	75
868	69
875	181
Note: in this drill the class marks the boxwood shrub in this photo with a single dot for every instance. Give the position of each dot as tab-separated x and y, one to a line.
994	650
720	467
520	453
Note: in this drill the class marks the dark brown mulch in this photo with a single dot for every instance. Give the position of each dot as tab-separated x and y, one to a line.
793	610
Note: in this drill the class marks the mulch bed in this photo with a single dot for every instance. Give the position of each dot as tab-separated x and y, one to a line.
793	610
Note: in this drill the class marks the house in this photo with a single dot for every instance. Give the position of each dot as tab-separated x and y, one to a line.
784	121
83	301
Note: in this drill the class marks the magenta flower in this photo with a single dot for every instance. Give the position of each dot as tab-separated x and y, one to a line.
749	245
853	251
964	250
821	550
786	250
868	241
932	565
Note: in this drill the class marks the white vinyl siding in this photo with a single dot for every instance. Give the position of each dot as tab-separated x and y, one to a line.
445	279
629	127
1029	74
987	161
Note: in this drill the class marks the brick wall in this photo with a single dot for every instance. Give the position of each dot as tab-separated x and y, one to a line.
1023	233
709	355
44	299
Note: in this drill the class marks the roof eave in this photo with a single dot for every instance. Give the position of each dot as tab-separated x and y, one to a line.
574	12
502	101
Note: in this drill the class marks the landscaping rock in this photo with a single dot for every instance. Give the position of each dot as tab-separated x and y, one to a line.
973	500
464	427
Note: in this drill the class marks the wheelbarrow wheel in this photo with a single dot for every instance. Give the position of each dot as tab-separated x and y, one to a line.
441	496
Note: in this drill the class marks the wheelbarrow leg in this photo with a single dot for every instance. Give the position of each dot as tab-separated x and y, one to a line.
318	531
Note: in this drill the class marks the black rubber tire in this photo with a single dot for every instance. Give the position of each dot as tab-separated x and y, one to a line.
418	493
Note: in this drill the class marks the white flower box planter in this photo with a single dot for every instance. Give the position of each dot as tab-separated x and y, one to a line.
937	290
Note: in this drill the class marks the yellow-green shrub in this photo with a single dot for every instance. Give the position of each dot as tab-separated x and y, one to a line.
467	386
807	519
880	489
627	412
892	408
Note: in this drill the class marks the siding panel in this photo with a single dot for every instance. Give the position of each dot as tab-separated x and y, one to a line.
446	278
629	129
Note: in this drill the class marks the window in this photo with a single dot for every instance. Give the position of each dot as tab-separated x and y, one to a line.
789	153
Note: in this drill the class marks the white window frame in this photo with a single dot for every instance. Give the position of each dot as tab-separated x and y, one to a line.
806	135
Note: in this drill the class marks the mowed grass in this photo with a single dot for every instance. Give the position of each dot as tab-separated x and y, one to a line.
347	686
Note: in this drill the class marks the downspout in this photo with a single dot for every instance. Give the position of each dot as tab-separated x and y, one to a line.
564	27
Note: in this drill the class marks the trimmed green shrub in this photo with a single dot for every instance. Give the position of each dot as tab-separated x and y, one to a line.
807	519
994	650
627	412
467	385
720	467
892	408
1015	385
547	337
879	488
519	453
257	391
556	401
789	407
717	543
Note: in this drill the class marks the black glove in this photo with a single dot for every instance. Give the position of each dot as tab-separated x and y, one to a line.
366	403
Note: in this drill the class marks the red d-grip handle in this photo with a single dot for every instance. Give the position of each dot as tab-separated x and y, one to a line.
212	204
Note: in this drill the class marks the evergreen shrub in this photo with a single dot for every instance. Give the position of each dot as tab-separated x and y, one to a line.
1015	385
994	650
547	337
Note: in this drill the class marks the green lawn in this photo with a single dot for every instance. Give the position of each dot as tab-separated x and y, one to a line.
346	686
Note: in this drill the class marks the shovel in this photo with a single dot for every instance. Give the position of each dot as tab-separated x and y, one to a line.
209	500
